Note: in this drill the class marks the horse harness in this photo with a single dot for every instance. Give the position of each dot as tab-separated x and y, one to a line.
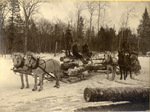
37	65
21	64
110	61
125	60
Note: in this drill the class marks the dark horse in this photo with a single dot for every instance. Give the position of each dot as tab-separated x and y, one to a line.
124	62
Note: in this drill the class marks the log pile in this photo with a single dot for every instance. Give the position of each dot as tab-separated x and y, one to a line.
74	72
132	94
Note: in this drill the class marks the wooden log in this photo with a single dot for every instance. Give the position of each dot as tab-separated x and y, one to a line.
133	94
66	66
76	71
95	67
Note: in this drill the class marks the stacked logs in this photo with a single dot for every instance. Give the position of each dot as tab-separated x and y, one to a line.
132	94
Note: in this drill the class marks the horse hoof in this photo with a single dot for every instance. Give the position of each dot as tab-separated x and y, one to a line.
112	79
56	86
40	90
34	89
21	87
27	87
120	78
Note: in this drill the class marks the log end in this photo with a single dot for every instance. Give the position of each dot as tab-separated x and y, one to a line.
88	94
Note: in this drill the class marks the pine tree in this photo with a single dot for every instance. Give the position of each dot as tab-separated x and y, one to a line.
80	29
144	32
14	21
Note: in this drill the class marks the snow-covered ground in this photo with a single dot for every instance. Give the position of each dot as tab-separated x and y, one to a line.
68	97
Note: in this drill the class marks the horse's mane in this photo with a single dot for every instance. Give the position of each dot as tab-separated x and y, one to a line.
35	58
32	55
21	59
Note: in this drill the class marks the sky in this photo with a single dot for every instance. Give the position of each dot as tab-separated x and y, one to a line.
64	9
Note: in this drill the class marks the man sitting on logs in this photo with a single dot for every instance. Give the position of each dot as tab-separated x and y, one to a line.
76	54
86	52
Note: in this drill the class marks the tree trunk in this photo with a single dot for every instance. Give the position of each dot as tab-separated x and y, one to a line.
99	13
25	41
26	36
133	94
55	48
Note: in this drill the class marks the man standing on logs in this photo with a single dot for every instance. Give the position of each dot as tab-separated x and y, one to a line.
68	42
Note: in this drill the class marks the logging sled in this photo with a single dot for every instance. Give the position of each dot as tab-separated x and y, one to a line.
72	70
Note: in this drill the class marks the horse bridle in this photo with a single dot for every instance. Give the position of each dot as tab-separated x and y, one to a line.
21	64
36	62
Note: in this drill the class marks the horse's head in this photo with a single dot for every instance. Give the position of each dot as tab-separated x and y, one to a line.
107	56
120	55
18	60
31	60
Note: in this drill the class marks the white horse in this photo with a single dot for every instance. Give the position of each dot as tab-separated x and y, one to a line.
41	67
111	63
19	66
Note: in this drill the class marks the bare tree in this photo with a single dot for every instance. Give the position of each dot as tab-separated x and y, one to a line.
129	13
80	7
3	15
30	8
91	6
101	5
3	12
44	27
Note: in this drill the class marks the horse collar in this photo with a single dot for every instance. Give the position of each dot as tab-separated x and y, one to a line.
37	64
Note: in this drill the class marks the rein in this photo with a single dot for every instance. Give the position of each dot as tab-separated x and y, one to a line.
37	63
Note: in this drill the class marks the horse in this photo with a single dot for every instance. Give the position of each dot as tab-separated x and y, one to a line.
124	62
19	66
111	63
41	67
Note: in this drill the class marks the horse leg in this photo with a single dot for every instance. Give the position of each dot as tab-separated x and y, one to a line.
41	82
120	73
107	72
124	72
27	81
130	74
35	85
22	81
114	73
57	85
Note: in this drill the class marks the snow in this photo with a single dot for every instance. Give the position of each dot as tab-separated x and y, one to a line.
68	97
